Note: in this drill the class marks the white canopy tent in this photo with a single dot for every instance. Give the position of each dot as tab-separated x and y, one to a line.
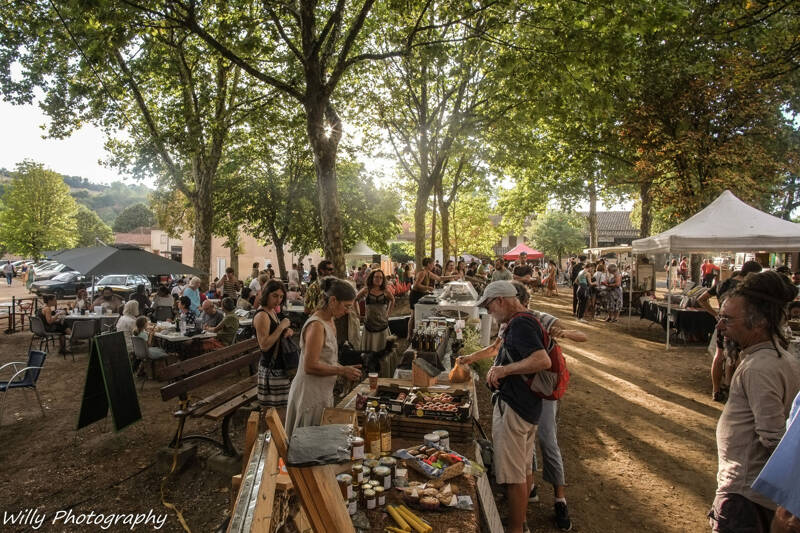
726	224
361	249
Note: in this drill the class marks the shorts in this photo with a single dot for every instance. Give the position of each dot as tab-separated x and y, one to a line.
733	513
513	439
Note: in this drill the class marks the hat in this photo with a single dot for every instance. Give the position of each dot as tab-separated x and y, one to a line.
497	289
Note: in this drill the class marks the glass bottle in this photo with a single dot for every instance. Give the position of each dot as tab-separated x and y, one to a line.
385	425
372	433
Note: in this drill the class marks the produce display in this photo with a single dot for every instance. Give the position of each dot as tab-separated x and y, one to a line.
452	404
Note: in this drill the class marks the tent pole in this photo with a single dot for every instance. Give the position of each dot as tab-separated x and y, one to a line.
630	293
669	297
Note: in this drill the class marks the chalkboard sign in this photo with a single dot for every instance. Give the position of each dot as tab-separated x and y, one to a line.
109	383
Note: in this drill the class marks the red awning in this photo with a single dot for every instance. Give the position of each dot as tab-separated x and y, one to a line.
513	254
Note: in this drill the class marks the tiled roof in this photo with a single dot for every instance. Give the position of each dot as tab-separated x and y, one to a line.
614	224
139	239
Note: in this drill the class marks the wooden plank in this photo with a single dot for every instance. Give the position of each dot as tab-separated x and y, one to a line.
250	436
236	484
186	367
316	487
486	497
232	404
262	514
301	522
201	407
283	482
335	415
183	386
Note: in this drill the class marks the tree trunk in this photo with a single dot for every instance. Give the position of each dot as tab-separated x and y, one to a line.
324	145
445	215
592	213
647	216
204	221
278	244
420	208
433	229
235	249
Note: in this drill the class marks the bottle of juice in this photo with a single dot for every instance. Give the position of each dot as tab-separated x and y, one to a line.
385	425
372	433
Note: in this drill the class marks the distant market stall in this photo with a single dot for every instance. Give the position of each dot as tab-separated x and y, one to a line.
726	224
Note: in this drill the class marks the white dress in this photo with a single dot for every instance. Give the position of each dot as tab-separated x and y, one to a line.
309	395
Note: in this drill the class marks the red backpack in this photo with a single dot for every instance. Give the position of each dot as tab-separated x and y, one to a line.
549	384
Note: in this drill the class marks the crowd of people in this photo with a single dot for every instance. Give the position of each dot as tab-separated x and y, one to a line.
751	338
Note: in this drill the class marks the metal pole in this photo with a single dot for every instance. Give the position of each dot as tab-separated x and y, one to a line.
669	296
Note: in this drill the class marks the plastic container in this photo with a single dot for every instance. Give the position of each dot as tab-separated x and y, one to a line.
444	438
431	439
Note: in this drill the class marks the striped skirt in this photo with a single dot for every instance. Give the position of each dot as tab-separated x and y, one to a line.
273	387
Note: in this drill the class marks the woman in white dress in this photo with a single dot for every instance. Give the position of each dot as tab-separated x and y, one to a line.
312	387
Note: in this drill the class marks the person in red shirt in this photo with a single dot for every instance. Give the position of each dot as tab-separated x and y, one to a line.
707	269
683	271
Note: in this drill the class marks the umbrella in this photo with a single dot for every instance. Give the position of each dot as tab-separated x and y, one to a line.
513	254
120	259
361	249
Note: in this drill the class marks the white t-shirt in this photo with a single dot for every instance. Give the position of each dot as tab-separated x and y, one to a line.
255	286
177	290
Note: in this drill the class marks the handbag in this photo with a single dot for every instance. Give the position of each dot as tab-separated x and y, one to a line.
290	352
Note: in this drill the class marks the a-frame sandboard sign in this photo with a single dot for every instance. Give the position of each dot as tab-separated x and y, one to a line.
109	383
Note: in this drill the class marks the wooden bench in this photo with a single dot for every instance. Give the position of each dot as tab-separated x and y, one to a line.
190	374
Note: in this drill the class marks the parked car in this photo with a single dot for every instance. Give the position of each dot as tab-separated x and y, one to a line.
19	264
122	284
51	271
62	285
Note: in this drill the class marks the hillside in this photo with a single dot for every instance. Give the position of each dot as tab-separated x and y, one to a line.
105	200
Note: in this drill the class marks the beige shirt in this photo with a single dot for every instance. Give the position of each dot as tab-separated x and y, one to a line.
754	418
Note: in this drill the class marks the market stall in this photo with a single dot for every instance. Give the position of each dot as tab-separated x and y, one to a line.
726	224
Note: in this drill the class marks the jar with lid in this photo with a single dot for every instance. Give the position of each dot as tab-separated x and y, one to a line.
356	449
358	474
391	463
380	495
345	485
383	474
352	505
365	472
369	498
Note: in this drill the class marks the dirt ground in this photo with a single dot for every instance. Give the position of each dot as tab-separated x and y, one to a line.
636	429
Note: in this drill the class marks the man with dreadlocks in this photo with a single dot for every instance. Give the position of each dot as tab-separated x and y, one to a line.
761	393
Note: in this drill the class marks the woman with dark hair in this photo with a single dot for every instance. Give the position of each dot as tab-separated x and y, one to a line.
378	305
53	320
141	298
312	274
163	297
273	379
312	388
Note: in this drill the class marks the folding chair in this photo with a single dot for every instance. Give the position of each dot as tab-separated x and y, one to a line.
39	332
31	372
143	353
81	330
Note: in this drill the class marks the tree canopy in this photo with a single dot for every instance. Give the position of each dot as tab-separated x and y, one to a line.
132	217
39	213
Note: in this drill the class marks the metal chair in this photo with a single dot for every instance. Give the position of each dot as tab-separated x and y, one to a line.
162	313
39	332
31	372
81	330
143	353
